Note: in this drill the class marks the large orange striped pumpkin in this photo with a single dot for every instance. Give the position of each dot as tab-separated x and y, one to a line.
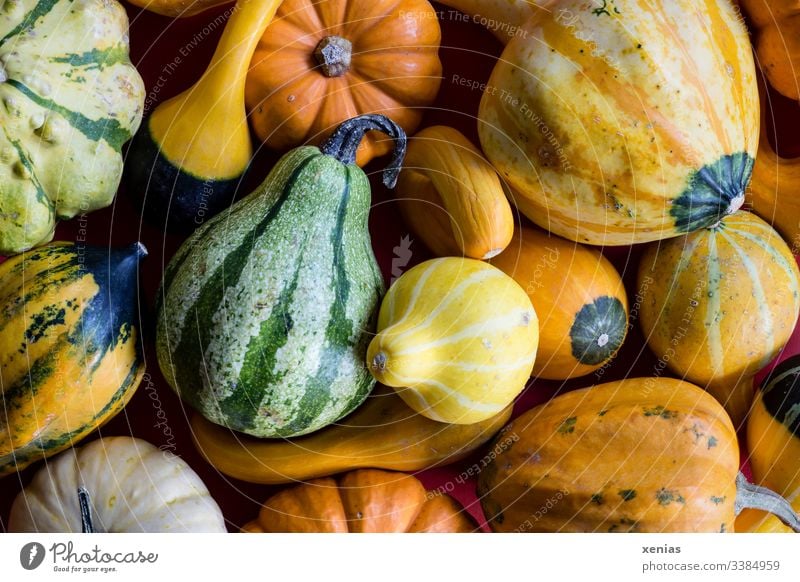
627	121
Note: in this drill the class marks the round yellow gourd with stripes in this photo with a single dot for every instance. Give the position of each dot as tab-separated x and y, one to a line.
456	338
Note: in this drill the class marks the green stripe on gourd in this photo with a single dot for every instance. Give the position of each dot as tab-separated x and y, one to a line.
265	312
598	330
96	58
31	18
714	191
109	130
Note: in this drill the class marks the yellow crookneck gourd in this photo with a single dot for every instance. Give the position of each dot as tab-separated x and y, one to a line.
457	339
190	154
452	198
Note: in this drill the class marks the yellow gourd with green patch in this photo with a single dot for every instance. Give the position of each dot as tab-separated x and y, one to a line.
457	338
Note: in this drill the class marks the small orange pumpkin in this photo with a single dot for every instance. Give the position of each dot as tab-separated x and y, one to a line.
363	501
319	64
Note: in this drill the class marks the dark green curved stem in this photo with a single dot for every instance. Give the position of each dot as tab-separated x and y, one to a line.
751	496
344	141
87	526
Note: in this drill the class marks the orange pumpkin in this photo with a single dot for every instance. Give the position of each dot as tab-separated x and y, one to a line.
363	501
319	64
777	41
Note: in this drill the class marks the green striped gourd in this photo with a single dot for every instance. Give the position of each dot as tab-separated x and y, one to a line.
718	304
265	311
70	98
69	346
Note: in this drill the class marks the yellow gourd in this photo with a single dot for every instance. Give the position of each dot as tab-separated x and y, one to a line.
451	196
457	339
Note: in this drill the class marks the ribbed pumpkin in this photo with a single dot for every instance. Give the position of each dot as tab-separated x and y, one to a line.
719	304
579	299
456	338
625	123
382	433
128	485
71	99
451	196
69	346
773	440
320	63
637	455
365	501
776	25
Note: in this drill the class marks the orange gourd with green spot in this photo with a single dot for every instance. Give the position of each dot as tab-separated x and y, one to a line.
637	455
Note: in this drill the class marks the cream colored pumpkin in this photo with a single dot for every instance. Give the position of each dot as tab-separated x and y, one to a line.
457	339
132	486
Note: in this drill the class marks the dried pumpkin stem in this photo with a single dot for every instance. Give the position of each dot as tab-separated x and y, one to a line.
343	142
333	53
751	496
87	525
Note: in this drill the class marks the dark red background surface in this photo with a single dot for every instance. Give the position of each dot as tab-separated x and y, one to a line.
467	50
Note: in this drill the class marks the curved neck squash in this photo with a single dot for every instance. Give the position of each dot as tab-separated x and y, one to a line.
204	130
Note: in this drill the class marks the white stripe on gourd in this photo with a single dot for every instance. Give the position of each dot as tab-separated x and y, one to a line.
454	295
760	297
488	327
763	245
714	340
